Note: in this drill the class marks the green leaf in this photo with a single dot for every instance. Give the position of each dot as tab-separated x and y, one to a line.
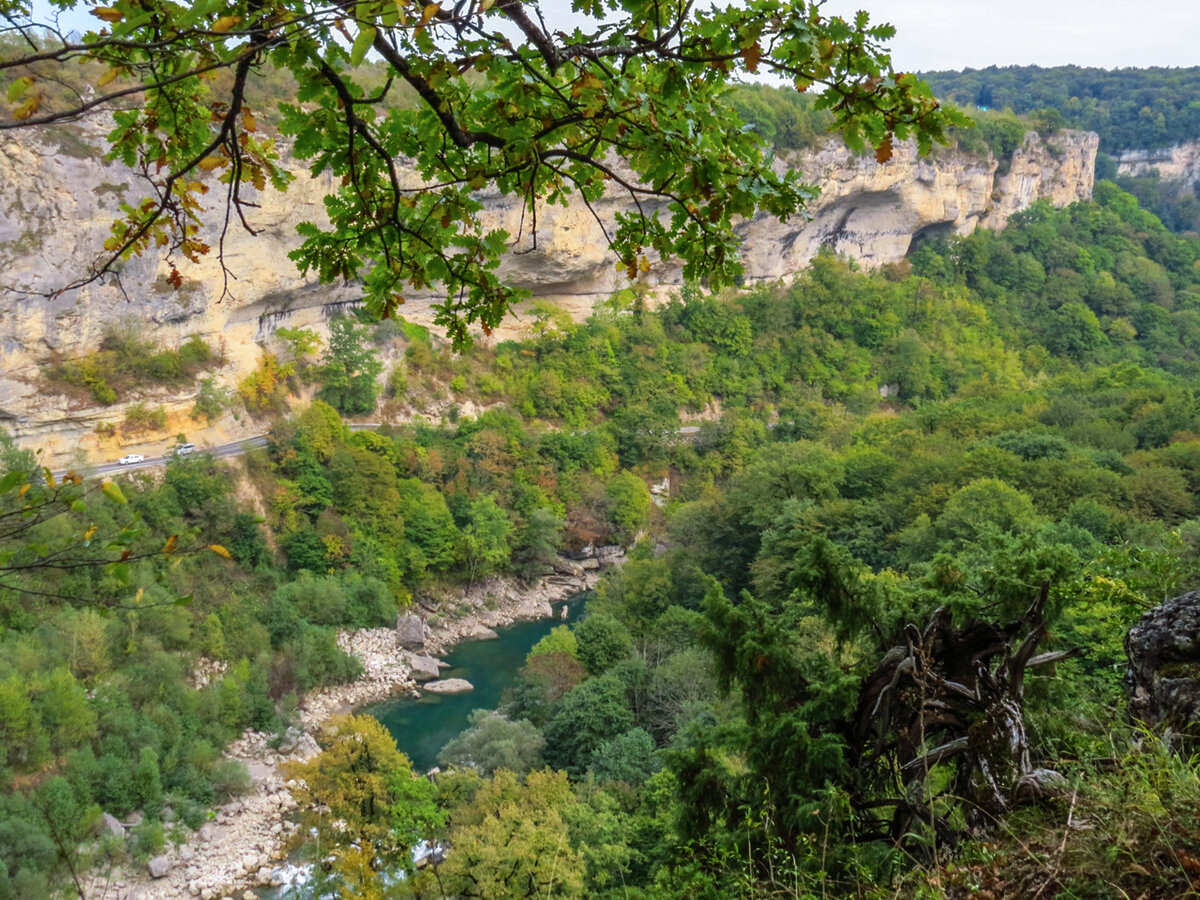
11	481
112	491
19	87
184	601
362	44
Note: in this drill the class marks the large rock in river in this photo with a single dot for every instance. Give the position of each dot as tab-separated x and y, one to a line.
449	686
423	668
1164	665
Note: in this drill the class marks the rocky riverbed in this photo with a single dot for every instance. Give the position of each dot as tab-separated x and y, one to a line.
244	846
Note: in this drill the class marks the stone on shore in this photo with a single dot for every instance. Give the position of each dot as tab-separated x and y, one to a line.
423	667
112	825
564	566
160	866
449	686
482	633
411	632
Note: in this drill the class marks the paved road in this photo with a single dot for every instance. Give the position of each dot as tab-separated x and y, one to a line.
237	448
234	448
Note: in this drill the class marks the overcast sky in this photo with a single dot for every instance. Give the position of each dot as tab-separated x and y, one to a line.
953	34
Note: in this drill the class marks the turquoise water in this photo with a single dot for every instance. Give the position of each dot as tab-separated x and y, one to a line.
423	727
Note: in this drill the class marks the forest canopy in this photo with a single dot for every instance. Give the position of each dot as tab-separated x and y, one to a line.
1131	109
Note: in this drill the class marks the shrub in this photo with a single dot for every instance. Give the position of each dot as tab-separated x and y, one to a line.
267	387
211	400
127	362
141	418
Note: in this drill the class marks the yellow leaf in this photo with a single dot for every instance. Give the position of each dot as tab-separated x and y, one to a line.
108	14
225	24
108	76
428	13
23	490
219	550
248	121
169	546
113	492
28	108
87	535
212	162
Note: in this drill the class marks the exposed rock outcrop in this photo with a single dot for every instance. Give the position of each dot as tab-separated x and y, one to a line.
63	197
1164	666
1180	164
873	211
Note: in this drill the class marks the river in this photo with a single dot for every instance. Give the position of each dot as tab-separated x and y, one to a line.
423	727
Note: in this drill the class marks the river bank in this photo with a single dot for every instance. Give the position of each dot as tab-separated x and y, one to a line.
245	843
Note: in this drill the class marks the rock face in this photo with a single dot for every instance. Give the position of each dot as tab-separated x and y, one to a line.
1164	665
873	211
62	198
1180	163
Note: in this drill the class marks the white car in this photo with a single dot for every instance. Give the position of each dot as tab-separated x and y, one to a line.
181	450
130	458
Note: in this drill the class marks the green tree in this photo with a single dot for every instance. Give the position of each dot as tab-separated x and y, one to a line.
484	538
629	757
589	715
18	725
349	369
364	802
628	504
428	524
560	640
602	641
511	839
64	711
495	742
986	503
536	116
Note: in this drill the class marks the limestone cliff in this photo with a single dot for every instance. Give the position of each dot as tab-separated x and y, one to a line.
59	197
1179	164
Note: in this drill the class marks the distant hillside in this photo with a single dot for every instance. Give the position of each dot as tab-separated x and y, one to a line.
1128	108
